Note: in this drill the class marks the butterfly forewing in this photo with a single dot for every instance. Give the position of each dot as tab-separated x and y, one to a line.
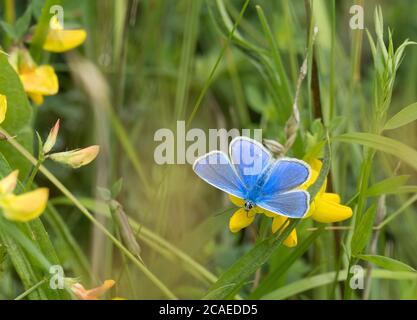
215	168
250	159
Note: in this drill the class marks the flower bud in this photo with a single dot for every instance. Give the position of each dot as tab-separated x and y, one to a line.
92	294
51	140
76	158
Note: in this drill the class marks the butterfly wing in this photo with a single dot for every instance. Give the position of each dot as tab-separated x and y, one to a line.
278	194
215	168
285	175
250	158
292	204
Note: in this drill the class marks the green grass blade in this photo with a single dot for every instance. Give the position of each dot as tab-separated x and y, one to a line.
386	262
403	117
309	283
387	145
387	186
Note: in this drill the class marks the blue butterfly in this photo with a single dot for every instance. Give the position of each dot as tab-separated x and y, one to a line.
253	175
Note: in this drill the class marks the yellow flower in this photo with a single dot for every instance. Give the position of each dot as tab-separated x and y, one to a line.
38	81
3	107
24	207
60	40
326	207
76	158
242	218
92	294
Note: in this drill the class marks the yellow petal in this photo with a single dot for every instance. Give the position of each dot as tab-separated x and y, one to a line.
64	40
36	98
331	197
328	211
291	240
25	207
269	214
237	201
3	107
240	219
313	177
316	166
8	184
41	80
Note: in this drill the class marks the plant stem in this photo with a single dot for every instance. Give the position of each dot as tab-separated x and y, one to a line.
30	290
32	176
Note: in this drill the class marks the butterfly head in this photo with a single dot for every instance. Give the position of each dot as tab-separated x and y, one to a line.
249	205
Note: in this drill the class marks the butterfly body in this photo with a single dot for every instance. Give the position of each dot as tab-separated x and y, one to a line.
254	176
255	192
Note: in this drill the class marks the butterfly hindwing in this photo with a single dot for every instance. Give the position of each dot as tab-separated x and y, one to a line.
278	194
292	204
215	168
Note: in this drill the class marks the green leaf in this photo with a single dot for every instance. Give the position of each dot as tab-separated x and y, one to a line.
363	232
387	186
405	116
386	262
9	29
270	282
22	24
231	280
22	265
18	118
387	145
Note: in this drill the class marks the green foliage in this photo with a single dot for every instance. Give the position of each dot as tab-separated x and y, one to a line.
387	186
20	28
216	64
363	232
390	146
18	118
405	116
386	262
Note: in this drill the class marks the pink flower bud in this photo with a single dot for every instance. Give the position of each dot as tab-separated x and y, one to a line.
51	140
